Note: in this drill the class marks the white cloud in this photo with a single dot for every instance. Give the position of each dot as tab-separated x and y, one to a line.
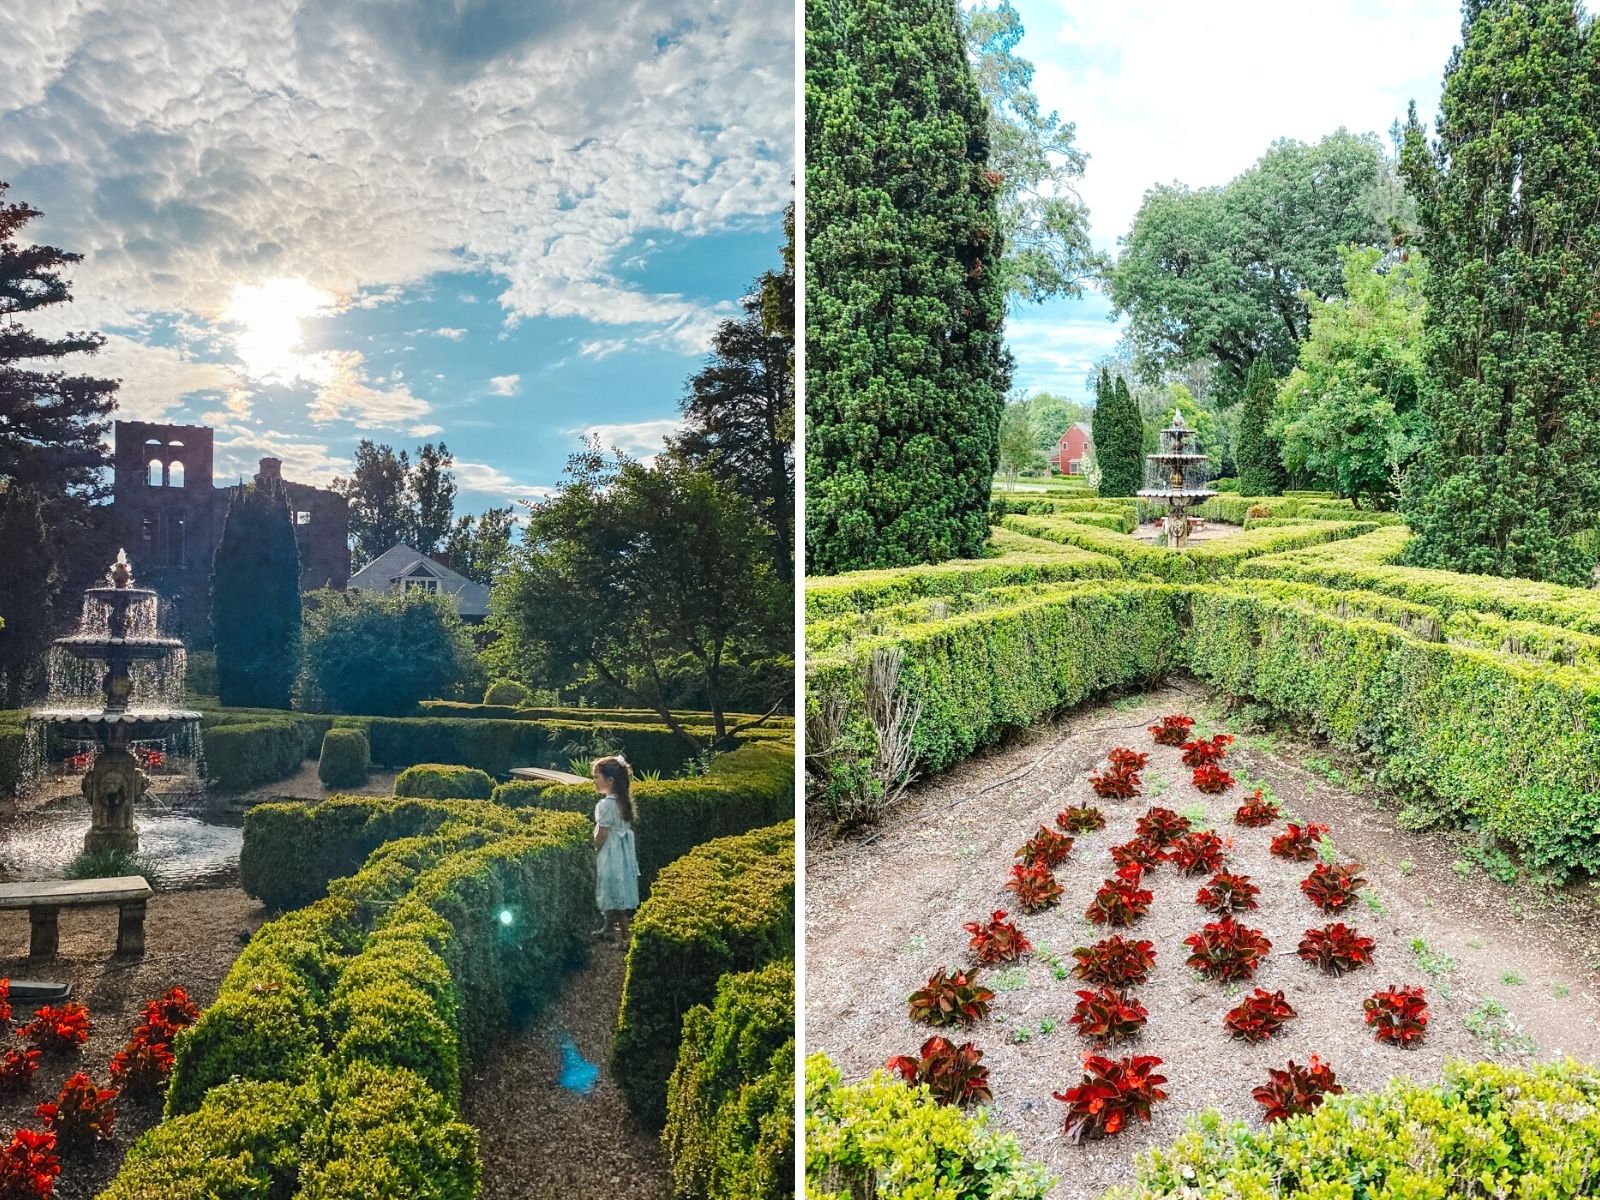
455	334
639	439
425	431
345	393
480	477
155	379
504	385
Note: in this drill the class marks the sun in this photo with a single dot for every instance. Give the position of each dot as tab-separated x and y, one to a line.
269	341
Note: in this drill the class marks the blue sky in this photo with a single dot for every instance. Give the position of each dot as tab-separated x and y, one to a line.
491	222
1165	92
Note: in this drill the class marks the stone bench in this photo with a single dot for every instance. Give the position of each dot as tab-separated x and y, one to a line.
45	900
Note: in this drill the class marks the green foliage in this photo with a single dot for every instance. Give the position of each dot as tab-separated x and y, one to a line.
245	755
1018	443
1506	197
882	1135
1485	1121
13	753
108	863
440	781
479	546
906	369
345	760
730	1102
200	672
726	906
1257	452
1119	442
508	692
431	496
255	599
1351	414
381	652
1051	415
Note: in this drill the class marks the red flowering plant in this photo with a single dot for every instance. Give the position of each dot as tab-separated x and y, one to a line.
5	1003
1035	887
1212	779
29	1166
1114	783
142	1066
1120	901
1172	730
1115	961
1137	852
54	1029
951	998
17	1067
1398	1016
1112	1091
1107	1014
81	1117
1124	759
1226	892
952	1073
1196	853
1332	888
1296	1090
1298	843
1259	1016
1226	950
1081	818
1047	848
1161	826
1335	949
1203	752
1256	811
172	1008
997	940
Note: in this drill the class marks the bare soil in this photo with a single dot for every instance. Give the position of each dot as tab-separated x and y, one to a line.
885	910
191	939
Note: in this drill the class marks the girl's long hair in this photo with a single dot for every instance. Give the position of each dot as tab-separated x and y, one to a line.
614	770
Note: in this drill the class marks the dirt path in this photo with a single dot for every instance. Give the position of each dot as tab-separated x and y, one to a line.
536	1137
947	851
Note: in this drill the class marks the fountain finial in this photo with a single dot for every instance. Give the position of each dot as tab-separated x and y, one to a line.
121	574
1177	419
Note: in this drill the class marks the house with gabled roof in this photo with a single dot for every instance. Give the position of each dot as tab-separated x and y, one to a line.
402	569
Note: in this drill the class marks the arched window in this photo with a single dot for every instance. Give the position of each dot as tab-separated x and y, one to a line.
179	445
153	476
175	474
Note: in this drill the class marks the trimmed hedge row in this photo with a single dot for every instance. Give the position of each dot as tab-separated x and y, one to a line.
346	759
694	718
726	906
441	781
13	754
241	755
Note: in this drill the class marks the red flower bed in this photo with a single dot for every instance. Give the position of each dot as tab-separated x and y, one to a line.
1106	1014
1111	1092
1256	812
1120	901
172	1008
1081	818
1332	888
1261	1015
1226	950
142	1066
951	998
1196	853
29	1166
5	1003
1172	730
1212	779
1398	1016
17	1067
1296	1090
1298	843
1115	961
1227	893
951	1073
1205	752
1335	949
81	1117
1035	887
1045	848
997	941
63	1028
1161	826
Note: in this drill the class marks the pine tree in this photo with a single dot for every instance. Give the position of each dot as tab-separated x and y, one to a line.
1257	453
1119	450
1098	420
1507	196
907	373
255	599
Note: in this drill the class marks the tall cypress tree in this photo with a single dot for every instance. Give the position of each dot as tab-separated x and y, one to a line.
906	372
1097	419
255	599
1507	196
1257	453
1119	444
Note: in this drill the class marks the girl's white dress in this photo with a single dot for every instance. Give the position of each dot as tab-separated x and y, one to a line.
616	884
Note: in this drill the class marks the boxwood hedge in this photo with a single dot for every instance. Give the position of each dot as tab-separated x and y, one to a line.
345	760
441	781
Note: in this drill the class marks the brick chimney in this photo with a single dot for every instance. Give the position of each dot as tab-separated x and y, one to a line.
271	468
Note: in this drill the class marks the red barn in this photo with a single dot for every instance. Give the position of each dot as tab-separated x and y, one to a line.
1074	443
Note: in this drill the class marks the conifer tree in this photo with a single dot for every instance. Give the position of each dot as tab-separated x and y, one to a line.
1507	197
255	599
1257	453
907	373
1119	449
1102	410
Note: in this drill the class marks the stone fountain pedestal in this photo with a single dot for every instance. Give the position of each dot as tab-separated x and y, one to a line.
113	786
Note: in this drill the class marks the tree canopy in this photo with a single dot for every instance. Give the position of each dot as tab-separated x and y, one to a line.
396	498
379	653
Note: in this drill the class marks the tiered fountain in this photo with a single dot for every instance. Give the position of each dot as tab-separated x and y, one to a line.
1176	476
116	688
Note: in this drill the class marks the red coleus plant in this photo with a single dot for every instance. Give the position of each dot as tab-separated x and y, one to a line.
142	1066
5	1003
29	1166
1035	887
1226	892
1259	1016
63	1028
1196	853
1203	752
1120	901
1226	950
1398	1015
1124	759
1332	888
17	1067
1107	1014
1116	783
952	1073
1161	826
1298	843
1112	1091
1115	961
1172	730
172	1008
1081	818
1212	779
81	1116
1137	852
1296	1090
997	940
951	998
1336	948
1047	848
1256	812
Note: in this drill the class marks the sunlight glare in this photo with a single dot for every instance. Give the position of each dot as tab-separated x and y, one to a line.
268	344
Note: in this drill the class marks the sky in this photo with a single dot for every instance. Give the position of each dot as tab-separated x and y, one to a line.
1163	91
496	223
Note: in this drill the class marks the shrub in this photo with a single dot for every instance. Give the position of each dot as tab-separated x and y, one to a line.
1080	818
1212	779
1298	843
17	1068
1397	1015
1035	887
1206	752
1172	730
951	997
1122	758
1137	852
1115	961
1226	950
381	652
997	941
141	1067
1161	826
1335	949
172	1009
81	1116
1295	1090
1046	848
1196	853
1110	1093
57	1029
29	1166
1260	1015
1256	812
1116	783
1106	1014
246	755
952	1074
730	1102
508	692
345	760
439	781
1225	892
1120	901
1332	888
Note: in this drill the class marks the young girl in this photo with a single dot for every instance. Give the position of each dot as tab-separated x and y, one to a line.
616	890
